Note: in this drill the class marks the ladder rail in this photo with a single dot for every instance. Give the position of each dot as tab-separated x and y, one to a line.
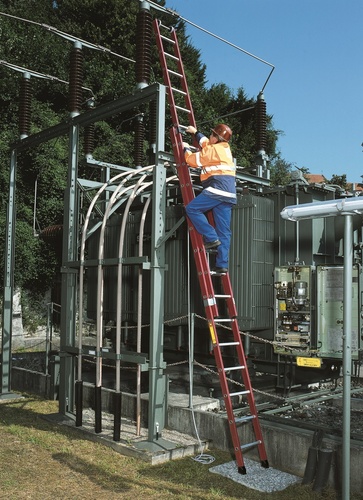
182	167
177	57
227	288
184	80
227	397
200	256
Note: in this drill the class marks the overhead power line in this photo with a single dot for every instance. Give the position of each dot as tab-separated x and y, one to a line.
176	14
68	37
37	74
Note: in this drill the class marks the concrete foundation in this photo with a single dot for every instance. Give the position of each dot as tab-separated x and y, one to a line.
191	430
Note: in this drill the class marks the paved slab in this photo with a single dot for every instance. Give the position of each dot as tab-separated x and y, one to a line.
257	477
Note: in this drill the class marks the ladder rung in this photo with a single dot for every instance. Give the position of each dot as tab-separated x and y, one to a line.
234	368
223	296
223	344
180	92
167	39
244	419
175	73
183	109
240	393
171	56
255	443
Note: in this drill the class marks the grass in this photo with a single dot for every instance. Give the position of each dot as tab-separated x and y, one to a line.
41	459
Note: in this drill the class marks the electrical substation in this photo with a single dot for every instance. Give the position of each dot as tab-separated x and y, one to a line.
134	268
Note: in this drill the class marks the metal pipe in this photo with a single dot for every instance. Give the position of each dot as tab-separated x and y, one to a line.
297	233
35	207
100	282
119	276
47	339
179	337
139	316
127	176
82	255
99	321
81	271
190	329
347	353
325	456
79	402
139	304
311	465
191	358
132	196
137	189
117	400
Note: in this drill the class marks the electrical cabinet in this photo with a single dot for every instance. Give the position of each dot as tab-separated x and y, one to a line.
330	309
293	310
309	308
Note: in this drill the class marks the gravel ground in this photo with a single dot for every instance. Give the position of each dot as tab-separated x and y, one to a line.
257	477
329	413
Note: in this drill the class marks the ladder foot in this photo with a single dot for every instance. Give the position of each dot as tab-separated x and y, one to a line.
264	463
242	470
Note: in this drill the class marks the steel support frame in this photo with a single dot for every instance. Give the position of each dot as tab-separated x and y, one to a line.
157	379
8	294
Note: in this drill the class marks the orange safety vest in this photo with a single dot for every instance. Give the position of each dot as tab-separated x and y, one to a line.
215	161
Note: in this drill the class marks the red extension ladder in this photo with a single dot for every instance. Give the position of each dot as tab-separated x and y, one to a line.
179	102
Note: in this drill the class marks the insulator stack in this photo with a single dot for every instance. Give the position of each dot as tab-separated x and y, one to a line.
261	123
75	80
139	141
24	107
89	139
143	46
53	235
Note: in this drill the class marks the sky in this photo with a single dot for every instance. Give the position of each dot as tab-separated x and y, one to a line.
315	91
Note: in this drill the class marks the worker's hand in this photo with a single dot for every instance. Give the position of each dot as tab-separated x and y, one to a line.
190	129
186	145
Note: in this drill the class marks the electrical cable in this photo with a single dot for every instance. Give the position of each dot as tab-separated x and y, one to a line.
218	118
69	37
202	458
176	14
37	74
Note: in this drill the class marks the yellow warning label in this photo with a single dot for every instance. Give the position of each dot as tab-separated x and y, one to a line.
309	362
212	332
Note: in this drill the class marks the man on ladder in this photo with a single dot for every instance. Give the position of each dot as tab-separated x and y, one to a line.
217	176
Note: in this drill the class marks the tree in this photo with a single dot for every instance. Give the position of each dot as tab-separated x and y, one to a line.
339	180
280	172
110	24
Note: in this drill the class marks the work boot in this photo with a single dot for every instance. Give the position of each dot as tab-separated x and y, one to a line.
212	244
220	270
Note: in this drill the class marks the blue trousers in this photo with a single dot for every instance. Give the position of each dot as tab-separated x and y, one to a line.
222	211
